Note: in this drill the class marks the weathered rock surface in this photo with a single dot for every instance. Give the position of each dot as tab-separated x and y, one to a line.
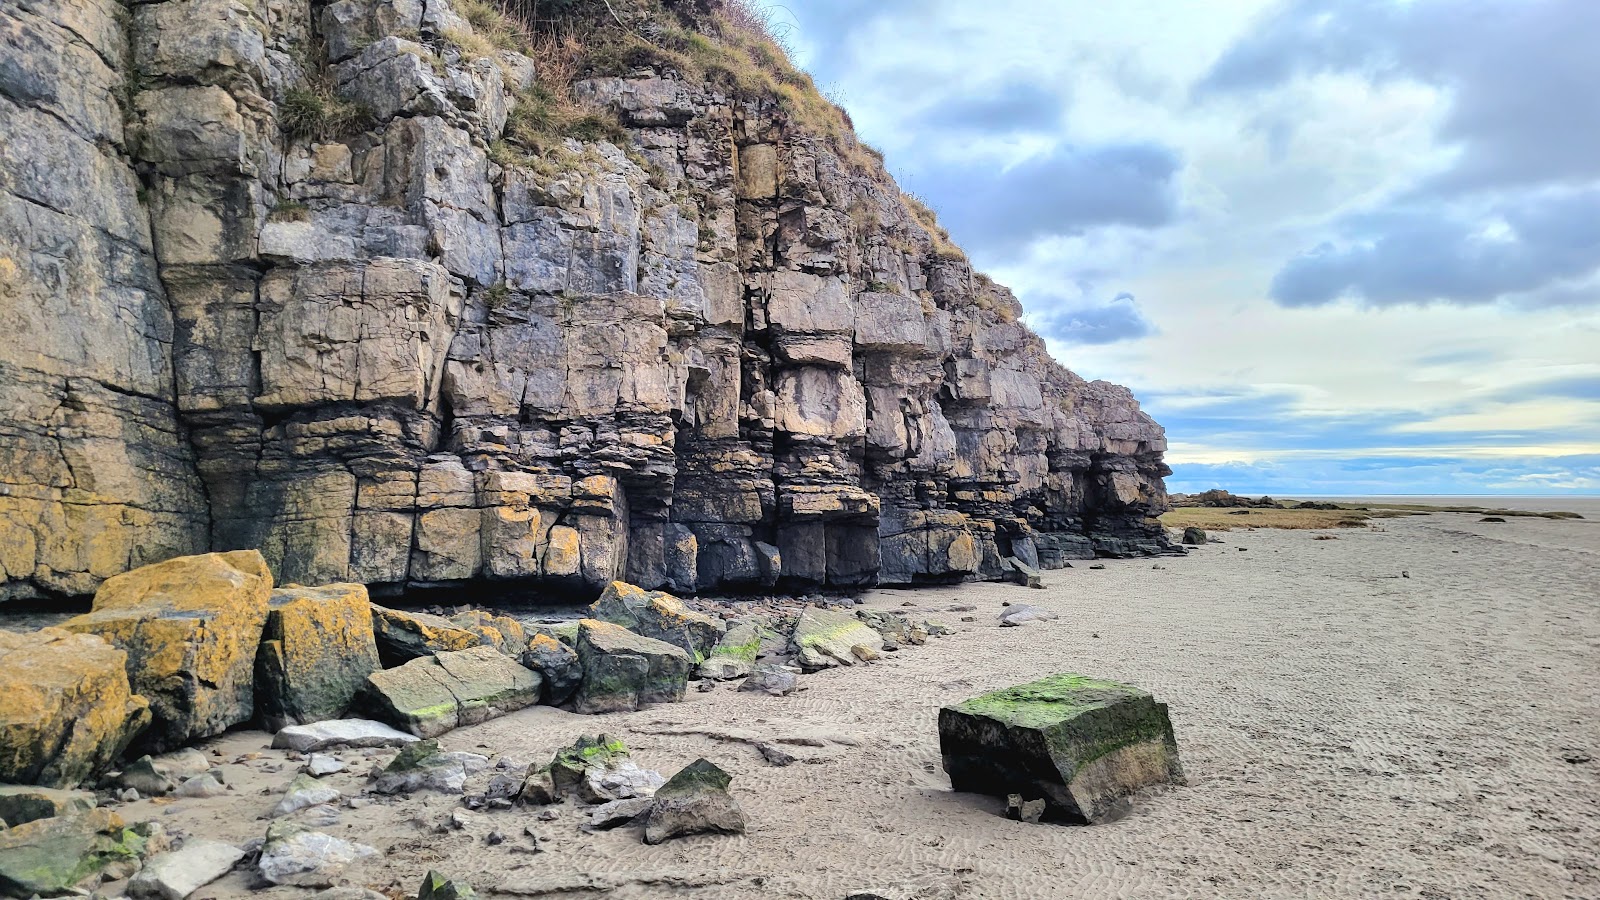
20	804
66	709
771	679
190	627
623	670
1023	613
1194	537
824	638
438	887
423	766
179	873
316	653
340	733
49	856
296	855
1081	744
557	663
153	776
384	358
404	636
658	615
597	770
694	801
434	694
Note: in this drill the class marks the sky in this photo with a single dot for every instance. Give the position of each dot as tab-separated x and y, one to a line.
1334	246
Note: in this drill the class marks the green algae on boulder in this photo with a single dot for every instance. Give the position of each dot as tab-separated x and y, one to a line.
694	801
437	887
433	694
50	856
622	670
1082	744
658	615
824	638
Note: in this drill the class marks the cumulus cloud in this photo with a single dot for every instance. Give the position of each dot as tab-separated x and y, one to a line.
1102	323
1421	254
1063	192
1514	216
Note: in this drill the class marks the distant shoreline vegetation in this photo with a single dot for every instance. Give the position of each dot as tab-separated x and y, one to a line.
1220	510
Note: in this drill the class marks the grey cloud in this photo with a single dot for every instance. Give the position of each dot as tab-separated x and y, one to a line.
1060	193
1576	387
1105	323
1423	255
1006	108
1520	73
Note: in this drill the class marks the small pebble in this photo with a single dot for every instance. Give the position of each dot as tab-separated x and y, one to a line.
495	839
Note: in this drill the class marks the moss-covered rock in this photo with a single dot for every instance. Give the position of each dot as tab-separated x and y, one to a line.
824	638
437	887
433	694
190	627
20	804
1194	536
49	856
568	768
694	801
623	670
66	708
316	653
658	615
735	655
1082	744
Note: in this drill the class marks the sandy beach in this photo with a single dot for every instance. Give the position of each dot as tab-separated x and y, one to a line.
1408	710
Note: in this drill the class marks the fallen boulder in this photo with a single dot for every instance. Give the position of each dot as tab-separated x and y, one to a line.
403	636
597	770
304	792
176	875
623	670
694	801
1194	537
658	615
66	708
316	653
557	663
431	695
1081	744
824	638
49	856
340	733
734	656
1022	573
424	767
190	627
153	776
772	679
21	804
296	855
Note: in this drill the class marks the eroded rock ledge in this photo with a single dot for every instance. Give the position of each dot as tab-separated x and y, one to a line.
720	358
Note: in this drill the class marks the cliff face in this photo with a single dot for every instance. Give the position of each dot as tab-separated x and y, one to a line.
271	277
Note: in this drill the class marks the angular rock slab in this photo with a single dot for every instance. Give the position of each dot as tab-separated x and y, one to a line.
1081	744
66	708
337	733
176	875
20	804
190	627
316	653
658	615
824	638
432	695
694	801
403	636
296	855
622	670
558	663
49	856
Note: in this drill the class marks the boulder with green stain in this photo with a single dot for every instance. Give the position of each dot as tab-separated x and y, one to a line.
433	694
1081	744
824	638
49	856
20	804
658	615
316	653
694	801
735	655
623	670
557	663
1194	537
437	887
576	769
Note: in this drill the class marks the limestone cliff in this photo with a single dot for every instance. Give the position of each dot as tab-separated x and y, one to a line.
313	278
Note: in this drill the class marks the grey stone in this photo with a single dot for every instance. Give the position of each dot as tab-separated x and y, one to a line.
694	801
339	734
177	874
298	856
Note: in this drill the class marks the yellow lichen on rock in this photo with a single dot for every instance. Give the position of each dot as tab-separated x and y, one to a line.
190	627
316	653
66	709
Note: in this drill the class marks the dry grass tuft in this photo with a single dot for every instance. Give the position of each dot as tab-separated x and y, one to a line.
1229	519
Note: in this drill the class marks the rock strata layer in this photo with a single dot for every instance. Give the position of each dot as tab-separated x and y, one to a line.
724	356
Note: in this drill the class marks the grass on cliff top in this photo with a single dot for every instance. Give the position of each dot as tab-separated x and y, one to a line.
731	44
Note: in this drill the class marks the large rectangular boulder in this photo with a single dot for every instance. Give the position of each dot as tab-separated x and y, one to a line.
1080	744
623	670
190	627
66	708
433	694
316	653
658	615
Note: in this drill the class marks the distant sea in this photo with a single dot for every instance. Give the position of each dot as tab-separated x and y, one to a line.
1587	506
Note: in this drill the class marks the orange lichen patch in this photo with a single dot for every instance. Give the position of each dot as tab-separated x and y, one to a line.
66	708
317	651
190	627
